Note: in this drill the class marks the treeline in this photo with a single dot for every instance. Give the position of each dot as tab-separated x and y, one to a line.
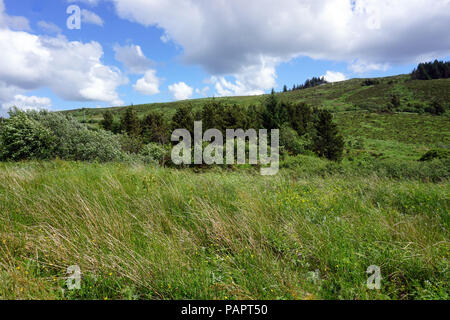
46	135
309	83
431	70
302	129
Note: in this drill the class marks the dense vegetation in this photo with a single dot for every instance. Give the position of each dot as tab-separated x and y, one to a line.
363	181
432	70
309	83
44	135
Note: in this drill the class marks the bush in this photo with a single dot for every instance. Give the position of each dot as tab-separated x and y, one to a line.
290	140
370	82
435	154
70	140
21	138
154	153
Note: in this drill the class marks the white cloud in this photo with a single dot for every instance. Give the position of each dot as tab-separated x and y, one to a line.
132	58
230	37
202	92
149	84
334	76
49	27
28	103
89	2
181	91
91	17
12	22
72	70
360	66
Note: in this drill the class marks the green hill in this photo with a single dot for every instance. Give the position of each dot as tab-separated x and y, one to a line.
340	96
358	112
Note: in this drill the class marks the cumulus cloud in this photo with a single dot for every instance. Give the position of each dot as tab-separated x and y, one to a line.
72	70
132	58
149	84
202	92
28	103
229	37
91	17
334	76
181	91
49	27
12	22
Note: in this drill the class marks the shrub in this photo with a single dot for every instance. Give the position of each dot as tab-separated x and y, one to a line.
370	82
435	154
290	140
22	137
73	141
154	153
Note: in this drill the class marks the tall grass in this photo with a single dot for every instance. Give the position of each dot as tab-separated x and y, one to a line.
150	233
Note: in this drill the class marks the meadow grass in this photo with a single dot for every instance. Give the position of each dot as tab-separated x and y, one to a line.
156	233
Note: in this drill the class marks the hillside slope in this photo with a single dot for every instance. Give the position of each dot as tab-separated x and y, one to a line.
339	96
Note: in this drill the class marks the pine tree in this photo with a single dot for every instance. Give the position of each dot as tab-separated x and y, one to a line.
129	122
154	128
274	114
183	119
108	121
326	139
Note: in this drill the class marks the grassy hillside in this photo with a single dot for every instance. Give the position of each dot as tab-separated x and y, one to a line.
398	136
340	96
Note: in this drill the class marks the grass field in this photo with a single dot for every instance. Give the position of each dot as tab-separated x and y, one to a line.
152	233
311	232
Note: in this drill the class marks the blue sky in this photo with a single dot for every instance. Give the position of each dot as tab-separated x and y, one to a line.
206	48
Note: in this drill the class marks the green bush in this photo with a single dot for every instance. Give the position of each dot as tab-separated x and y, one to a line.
23	138
290	140
42	135
154	153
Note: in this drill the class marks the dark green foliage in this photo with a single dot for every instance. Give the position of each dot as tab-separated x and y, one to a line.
129	123
436	108
254	116
236	117
212	116
327	142
432	70
108	121
300	117
274	114
435	154
310	83
370	82
285	88
183	119
155	128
